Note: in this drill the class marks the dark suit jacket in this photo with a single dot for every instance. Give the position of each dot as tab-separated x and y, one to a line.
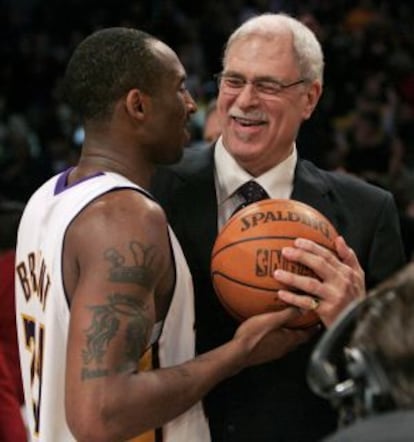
272	402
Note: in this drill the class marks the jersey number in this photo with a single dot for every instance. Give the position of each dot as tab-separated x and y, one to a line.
34	340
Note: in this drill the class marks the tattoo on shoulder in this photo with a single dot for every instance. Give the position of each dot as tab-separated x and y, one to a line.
141	272
122	315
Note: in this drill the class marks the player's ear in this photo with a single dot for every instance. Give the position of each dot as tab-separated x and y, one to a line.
137	103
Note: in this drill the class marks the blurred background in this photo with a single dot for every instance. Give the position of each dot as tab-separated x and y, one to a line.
364	124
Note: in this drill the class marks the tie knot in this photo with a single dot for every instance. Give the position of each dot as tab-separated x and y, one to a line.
252	191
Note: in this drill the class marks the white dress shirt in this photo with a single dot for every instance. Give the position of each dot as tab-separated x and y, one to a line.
229	176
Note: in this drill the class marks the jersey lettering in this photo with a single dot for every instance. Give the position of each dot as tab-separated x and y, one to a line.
34	278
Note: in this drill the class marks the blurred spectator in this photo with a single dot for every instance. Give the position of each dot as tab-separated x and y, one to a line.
369	149
12	428
60	152
211	129
22	164
11	389
361	15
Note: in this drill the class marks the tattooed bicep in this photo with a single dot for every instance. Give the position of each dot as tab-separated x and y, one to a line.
137	267
122	321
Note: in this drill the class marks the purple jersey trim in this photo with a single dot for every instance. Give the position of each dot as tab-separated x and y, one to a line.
62	185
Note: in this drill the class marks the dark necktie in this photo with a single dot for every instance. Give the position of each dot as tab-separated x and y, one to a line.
251	192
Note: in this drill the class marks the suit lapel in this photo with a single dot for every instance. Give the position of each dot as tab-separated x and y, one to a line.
311	188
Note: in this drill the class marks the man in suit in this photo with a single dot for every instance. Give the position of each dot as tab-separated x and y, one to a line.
271	82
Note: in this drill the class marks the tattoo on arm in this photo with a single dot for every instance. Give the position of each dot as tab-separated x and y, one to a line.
141	273
106	323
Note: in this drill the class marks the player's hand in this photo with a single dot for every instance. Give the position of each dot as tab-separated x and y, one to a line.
266	338
340	278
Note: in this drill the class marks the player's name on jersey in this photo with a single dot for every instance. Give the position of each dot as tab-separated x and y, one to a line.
33	276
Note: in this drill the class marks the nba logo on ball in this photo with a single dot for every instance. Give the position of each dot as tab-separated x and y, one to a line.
249	249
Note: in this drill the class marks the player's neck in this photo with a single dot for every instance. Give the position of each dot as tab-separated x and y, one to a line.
90	164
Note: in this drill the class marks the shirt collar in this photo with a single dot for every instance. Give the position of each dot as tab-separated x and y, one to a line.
277	182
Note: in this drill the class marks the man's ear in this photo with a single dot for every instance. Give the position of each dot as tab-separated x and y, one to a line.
312	96
137	104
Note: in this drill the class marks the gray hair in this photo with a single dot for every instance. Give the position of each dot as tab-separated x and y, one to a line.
306	47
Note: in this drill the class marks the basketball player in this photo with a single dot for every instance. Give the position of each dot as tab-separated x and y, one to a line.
103	290
271	82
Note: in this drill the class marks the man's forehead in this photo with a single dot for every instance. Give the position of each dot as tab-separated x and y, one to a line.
259	50
260	43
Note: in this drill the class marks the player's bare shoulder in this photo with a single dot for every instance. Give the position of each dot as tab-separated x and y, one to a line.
122	212
122	228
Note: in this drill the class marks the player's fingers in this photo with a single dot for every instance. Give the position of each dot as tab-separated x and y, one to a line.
276	319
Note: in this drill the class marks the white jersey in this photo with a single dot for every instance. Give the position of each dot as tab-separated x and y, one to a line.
42	310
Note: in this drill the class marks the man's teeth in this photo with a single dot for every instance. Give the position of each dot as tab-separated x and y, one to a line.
246	122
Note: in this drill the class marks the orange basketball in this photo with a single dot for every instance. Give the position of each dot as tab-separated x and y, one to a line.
249	249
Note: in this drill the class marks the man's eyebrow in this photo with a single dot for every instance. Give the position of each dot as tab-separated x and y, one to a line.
257	78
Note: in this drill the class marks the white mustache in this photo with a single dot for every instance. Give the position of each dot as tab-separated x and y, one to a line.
256	115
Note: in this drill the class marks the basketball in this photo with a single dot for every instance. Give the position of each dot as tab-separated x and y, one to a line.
249	249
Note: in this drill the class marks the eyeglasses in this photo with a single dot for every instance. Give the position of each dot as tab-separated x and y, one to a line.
266	88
